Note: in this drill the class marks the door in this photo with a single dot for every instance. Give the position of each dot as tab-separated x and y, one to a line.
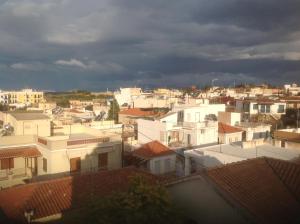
75	164
188	139
102	160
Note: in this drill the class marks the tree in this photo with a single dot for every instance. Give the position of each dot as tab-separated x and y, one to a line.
113	112
142	203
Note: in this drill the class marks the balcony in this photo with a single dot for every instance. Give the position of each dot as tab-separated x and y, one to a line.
197	125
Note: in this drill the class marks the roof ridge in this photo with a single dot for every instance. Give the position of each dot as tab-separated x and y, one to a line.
278	176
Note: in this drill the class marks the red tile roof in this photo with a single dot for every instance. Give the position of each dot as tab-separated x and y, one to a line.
152	149
226	129
137	112
28	151
56	196
268	188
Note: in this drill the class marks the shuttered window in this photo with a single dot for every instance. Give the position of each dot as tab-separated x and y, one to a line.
7	163
45	164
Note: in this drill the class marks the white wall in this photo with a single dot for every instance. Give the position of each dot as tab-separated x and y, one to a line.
151	130
163	168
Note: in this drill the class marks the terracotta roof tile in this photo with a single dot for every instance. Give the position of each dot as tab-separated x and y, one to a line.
55	196
137	112
28	151
152	149
258	187
226	129
289	174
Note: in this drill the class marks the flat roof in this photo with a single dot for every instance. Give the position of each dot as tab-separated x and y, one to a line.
236	150
29	116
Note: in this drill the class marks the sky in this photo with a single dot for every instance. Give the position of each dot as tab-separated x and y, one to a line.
100	44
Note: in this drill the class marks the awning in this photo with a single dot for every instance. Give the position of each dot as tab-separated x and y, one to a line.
29	151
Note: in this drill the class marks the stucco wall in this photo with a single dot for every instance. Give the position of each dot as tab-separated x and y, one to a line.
162	160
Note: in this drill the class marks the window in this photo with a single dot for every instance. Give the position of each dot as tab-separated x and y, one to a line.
180	116
157	166
255	106
268	108
263	108
202	131
45	165
280	109
167	165
102	160
7	163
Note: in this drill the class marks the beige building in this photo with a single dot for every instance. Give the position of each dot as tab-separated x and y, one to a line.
72	148
28	123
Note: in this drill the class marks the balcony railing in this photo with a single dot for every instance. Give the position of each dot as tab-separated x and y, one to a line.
204	124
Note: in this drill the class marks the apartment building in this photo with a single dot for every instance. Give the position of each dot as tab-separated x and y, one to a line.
292	89
72	149
184	126
25	96
4	97
253	106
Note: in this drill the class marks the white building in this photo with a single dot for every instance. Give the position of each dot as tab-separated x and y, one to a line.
184	126
260	106
126	95
212	156
4	97
229	134
156	158
292	89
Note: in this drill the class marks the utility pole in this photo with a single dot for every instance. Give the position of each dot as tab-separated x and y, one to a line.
122	152
298	118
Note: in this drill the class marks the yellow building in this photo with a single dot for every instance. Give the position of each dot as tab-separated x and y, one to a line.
26	96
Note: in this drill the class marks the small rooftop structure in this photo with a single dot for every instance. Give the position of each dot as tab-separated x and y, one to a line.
151	150
29	116
225	128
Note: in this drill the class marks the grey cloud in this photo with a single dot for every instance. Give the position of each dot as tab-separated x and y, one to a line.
98	44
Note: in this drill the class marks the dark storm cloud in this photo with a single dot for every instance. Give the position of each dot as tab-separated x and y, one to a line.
67	44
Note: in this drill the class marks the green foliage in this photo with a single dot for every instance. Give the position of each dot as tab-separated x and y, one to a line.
113	112
62	98
142	203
